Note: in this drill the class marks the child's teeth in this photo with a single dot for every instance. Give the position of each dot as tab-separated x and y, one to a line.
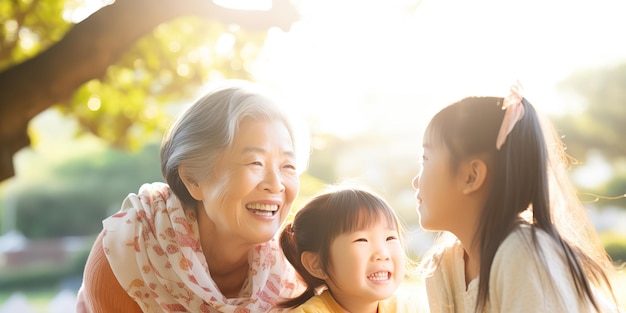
379	276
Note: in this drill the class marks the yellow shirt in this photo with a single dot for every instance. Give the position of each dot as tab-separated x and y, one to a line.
325	303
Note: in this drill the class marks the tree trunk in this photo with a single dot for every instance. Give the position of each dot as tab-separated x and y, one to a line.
90	47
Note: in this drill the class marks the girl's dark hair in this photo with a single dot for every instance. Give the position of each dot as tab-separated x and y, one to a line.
320	221
524	168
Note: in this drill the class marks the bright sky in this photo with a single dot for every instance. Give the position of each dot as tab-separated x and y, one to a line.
357	66
361	65
365	64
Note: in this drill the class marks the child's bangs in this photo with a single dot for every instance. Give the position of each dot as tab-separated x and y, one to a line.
363	214
434	134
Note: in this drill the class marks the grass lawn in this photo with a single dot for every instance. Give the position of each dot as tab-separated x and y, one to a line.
37	299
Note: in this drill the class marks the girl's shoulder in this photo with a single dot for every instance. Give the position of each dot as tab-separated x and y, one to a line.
530	264
530	248
526	240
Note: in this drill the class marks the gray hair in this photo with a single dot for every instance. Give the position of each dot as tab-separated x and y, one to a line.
208	127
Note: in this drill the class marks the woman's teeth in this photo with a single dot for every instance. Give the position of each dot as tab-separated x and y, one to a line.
262	209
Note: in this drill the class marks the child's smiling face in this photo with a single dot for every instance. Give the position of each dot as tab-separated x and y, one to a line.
366	265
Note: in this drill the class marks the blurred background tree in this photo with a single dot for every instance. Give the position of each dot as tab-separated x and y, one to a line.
595	128
76	195
113	70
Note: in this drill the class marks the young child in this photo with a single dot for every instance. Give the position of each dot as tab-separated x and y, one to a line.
517	238
346	246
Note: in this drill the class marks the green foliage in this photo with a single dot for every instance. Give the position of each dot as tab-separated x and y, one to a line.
613	193
167	66
75	197
126	105
601	124
28	27
615	245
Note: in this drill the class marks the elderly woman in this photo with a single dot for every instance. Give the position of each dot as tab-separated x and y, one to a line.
205	241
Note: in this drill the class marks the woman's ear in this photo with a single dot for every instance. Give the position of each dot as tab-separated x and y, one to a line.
312	263
192	186
474	175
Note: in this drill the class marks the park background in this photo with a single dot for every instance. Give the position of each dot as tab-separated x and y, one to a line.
364	76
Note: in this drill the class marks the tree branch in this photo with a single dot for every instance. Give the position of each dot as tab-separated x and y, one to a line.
88	48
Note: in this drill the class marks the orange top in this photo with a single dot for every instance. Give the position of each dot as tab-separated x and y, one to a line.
101	292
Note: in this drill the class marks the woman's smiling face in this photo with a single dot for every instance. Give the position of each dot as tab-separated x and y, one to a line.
254	184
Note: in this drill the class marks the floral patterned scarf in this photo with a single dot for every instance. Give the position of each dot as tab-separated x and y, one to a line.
154	250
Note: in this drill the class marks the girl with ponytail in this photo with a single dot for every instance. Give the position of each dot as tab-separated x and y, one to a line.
346	246
514	235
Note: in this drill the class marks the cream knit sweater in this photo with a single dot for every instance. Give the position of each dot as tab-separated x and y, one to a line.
518	282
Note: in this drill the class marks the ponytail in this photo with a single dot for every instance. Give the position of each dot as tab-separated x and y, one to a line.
290	249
